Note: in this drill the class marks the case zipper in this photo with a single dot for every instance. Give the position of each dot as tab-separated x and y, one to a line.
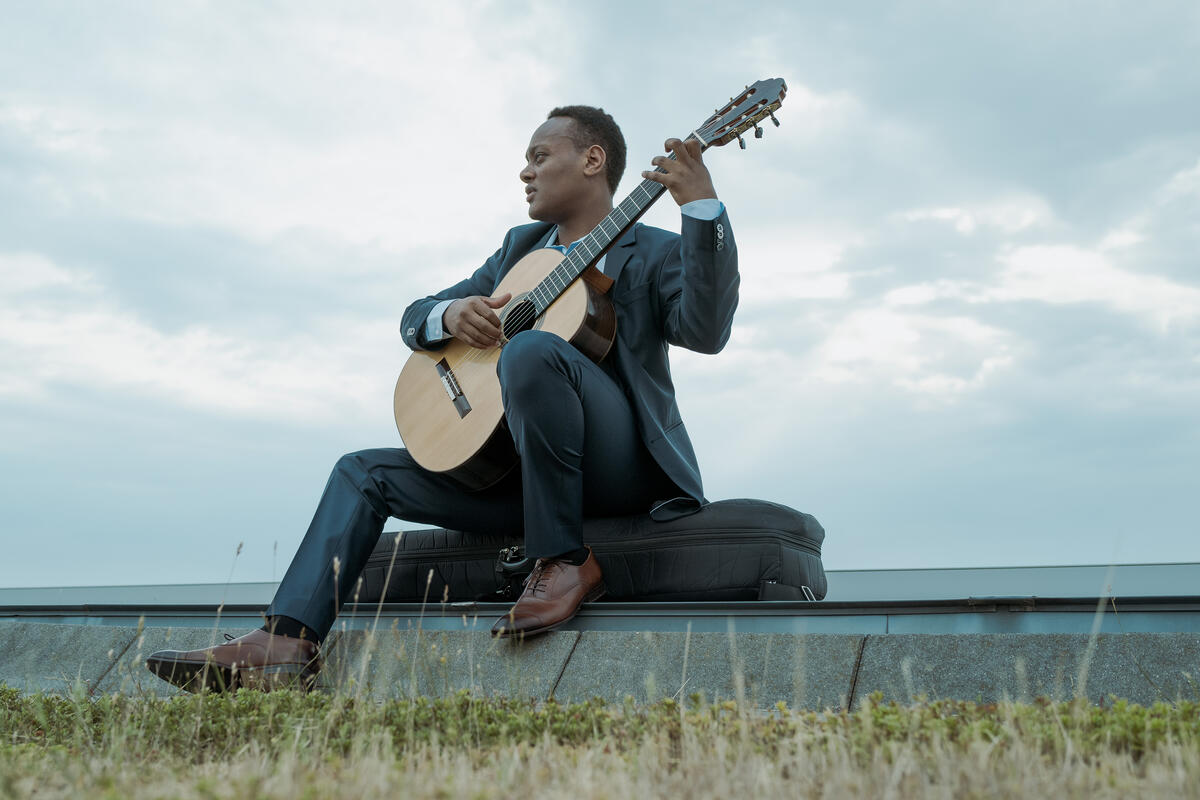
645	543
683	539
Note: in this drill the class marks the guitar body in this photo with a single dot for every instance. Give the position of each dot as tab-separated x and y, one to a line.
447	402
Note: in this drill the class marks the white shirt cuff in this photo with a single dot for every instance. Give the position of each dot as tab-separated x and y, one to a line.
433	323
705	209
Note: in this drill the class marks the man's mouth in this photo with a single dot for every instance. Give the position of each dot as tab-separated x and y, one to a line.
529	193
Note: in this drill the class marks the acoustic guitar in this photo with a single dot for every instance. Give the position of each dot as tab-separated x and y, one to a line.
447	401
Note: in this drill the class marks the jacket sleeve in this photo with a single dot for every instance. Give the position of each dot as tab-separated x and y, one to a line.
698	285
482	282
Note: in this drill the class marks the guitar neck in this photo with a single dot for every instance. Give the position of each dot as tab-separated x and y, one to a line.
592	247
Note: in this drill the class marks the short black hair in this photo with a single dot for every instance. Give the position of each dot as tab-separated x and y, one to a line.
593	126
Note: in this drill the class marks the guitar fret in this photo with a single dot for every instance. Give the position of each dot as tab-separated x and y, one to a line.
589	248
570	268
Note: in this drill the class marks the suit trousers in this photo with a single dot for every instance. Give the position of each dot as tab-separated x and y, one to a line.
581	454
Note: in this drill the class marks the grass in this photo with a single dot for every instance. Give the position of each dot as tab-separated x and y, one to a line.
283	744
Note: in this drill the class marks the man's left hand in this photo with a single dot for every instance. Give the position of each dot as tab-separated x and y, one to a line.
685	176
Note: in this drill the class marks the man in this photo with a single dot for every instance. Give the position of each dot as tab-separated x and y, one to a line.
593	439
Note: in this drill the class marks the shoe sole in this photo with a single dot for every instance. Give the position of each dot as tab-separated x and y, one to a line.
197	677
591	596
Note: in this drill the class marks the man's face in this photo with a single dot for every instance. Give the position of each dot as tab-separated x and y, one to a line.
554	172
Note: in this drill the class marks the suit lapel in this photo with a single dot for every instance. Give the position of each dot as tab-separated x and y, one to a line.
620	254
527	243
522	244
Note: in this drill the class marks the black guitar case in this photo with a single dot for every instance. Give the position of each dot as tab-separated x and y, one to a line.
727	550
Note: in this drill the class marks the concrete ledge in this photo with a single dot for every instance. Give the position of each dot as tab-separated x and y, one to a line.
1140	667
803	670
810	671
390	664
44	657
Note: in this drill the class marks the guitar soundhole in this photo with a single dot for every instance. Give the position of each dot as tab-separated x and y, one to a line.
521	316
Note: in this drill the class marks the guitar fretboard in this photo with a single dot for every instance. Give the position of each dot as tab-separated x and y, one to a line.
597	243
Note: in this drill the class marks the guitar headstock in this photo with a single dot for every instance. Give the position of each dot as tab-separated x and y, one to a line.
745	111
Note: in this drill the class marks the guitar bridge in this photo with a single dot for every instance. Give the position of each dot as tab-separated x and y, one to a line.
450	384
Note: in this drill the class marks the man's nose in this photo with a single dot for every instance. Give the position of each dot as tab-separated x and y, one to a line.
526	174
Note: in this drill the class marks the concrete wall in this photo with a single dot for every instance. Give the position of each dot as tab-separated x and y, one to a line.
803	670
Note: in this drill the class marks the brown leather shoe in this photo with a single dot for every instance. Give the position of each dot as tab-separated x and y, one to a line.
554	591
258	660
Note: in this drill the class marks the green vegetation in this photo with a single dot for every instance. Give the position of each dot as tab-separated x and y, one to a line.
205	727
284	744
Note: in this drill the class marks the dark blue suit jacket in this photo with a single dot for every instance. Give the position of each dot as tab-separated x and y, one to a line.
669	289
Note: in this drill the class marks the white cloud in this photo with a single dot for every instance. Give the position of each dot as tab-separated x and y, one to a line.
65	131
1066	274
784	266
922	293
1185	183
300	378
344	130
1007	215
1109	274
930	355
24	272
75	338
1121	238
820	113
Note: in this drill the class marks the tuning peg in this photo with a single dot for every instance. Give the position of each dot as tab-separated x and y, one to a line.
741	142
774	120
757	132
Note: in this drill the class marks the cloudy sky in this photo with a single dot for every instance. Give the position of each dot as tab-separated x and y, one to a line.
969	330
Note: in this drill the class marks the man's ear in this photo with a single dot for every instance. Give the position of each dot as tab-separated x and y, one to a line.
594	160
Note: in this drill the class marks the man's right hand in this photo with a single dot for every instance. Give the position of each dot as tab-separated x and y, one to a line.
473	319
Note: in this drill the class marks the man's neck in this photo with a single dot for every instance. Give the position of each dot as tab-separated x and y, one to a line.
580	225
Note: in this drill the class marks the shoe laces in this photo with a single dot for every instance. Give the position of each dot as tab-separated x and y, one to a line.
536	582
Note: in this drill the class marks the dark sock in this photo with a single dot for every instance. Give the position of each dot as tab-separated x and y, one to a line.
293	628
574	557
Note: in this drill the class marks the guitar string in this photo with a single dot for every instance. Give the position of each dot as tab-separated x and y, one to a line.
525	315
527	312
526	300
